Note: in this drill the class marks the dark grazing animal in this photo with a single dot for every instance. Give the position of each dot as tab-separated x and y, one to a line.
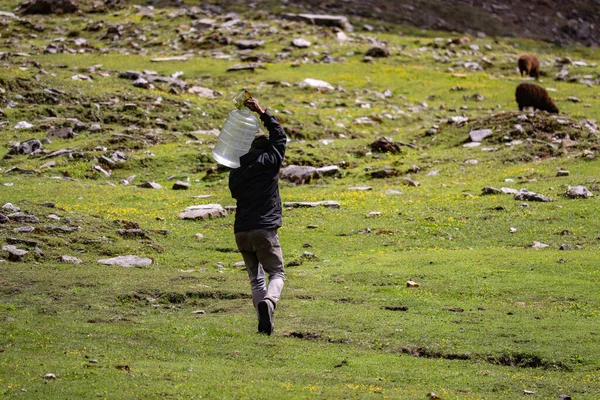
530	95
529	64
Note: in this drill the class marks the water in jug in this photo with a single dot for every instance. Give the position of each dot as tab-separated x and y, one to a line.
239	130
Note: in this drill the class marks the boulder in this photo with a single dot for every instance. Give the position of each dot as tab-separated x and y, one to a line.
480	134
15	254
531	196
62	133
578	192
298	174
301	43
384	145
203	211
180	185
27	147
128	261
316	83
23	218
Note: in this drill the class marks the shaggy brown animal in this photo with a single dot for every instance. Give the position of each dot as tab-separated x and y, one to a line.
529	64
530	95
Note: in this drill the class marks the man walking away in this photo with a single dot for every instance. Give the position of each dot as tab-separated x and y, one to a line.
255	187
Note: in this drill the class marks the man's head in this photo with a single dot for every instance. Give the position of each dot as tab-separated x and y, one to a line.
260	142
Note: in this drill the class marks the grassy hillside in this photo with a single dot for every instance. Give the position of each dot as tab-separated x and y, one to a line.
493	317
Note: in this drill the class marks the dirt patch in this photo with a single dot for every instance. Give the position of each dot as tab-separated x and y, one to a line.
527	360
315	337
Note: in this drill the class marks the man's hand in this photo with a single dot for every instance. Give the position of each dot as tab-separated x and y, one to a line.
253	105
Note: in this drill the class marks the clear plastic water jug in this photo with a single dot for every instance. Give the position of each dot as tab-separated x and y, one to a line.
237	134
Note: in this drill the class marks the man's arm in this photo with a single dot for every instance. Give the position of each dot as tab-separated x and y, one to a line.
277	138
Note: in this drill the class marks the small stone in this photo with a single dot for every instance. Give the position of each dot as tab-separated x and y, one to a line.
10	207
203	211
199	236
49	376
127	261
539	245
565	247
562	172
301	43
412	284
480	134
374	214
578	192
150	185
573	99
199	312
180	185
512	230
23	125
490	190
70	259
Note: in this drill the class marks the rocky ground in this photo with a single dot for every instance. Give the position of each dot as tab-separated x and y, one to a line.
553	21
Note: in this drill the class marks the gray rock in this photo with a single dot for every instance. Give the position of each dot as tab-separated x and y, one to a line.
70	259
490	190
10	207
565	247
61	133
128	261
107	161
101	170
95	128
132	233
203	211
204	92
298	174
17	170
316	83
578	192
301	43
23	125
539	245
562	172
309	204
15	254
4	219
27	147
480	134
410	182
180	185
384	173
531	196
149	185
61	228
251	66
23	218
330	170
248	44
507	190
24	229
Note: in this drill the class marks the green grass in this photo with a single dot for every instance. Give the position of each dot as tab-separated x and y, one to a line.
529	318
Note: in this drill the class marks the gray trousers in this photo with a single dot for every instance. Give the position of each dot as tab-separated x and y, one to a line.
262	254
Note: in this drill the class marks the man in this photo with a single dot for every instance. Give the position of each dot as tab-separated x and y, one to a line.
258	216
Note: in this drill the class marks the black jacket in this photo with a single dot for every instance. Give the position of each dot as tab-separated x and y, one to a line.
255	183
